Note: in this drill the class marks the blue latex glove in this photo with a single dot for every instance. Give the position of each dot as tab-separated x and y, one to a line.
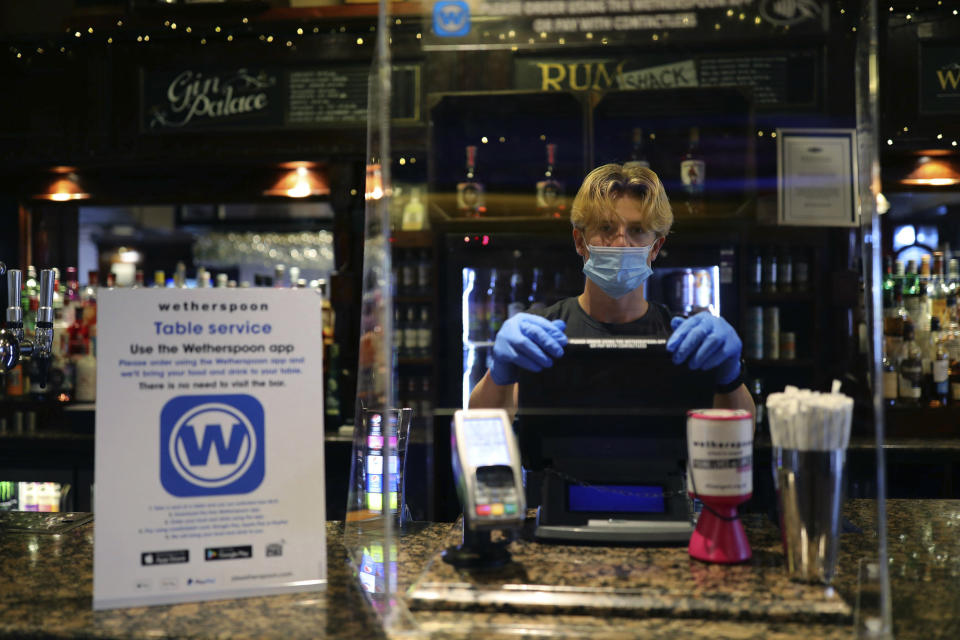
706	342
527	341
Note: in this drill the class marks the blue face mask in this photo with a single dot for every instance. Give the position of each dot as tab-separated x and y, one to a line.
618	270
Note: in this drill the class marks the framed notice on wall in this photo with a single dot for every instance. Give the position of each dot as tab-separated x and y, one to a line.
816	173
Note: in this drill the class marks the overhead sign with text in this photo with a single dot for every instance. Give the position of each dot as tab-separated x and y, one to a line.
776	80
940	78
262	98
517	24
209	479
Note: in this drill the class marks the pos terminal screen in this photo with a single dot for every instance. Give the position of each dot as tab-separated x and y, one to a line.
486	443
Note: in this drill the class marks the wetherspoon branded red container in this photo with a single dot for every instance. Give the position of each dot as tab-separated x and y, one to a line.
720	475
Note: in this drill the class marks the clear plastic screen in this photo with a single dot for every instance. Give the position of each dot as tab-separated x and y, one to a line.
500	109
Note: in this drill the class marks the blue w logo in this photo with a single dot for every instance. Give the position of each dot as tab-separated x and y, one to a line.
451	18
223	456
212	438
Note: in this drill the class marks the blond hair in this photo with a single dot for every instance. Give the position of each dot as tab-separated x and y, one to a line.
594	202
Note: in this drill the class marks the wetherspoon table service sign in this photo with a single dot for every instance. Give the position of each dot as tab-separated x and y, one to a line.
209	445
720	475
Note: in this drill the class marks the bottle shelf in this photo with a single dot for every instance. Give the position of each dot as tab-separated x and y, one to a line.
784	296
794	363
413	299
921	421
412	239
414	362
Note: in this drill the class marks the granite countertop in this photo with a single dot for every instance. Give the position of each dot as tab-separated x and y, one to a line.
924	561
46	587
46	590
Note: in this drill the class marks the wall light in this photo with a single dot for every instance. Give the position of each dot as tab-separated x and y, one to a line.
373	189
64	186
933	170
300	180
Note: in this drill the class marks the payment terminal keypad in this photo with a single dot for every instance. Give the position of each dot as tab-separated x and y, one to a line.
496	494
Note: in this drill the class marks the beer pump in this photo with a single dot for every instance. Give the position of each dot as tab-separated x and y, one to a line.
13	345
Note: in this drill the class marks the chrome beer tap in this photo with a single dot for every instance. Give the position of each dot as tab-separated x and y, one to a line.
13	346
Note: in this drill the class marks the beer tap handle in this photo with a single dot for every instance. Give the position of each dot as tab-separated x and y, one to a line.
14	311
43	341
45	312
12	334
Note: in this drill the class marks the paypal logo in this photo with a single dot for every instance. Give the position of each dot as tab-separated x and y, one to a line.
451	18
211	445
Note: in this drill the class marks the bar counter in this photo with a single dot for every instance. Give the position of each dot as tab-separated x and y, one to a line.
46	588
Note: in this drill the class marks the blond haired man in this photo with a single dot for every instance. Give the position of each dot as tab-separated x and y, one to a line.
621	217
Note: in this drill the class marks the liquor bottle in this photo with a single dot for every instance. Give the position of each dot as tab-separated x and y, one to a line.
924	271
785	272
331	402
693	173
952	346
398	333
770	273
910	366
889	282
72	285
426	401
423	272
756	389
180	276
408	273
893	326
755	272
890	379
911	294
77	334
470	200
159	279
14	380
517	301
279	276
889	295
801	271
138	282
424	333
638	157
953	276
496	305
294	273
85	389
476	307
939	366
327	314
550	199
923	289
938	290
410	333
414	213
535	295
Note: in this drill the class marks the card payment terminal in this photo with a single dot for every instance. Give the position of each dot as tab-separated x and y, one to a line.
486	468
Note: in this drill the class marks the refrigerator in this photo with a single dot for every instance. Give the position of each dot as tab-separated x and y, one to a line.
487	274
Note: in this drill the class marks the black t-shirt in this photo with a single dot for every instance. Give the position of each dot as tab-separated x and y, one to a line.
654	323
